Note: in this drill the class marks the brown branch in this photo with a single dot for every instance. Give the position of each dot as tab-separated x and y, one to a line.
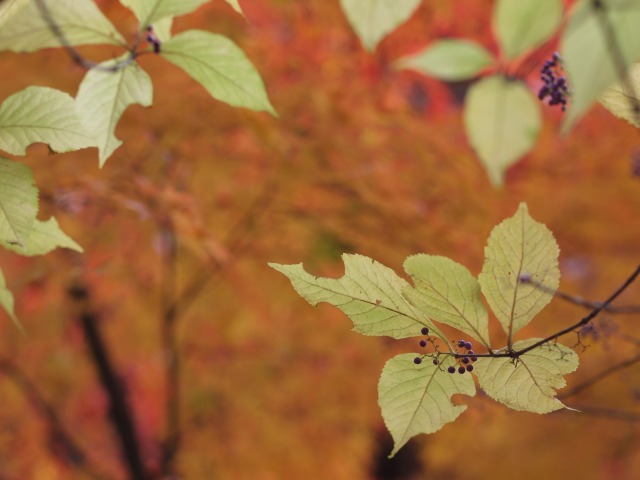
170	347
599	377
73	53
119	410
593	314
609	413
62	444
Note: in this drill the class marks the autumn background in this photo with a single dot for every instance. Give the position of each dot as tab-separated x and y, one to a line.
362	158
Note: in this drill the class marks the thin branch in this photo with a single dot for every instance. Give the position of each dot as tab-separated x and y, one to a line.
233	242
609	413
581	302
73	53
618	57
61	442
594	313
119	411
170	348
599	377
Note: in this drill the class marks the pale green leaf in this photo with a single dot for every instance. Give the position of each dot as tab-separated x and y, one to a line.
162	28
369	293
104	95
521	25
220	66
43	238
502	120
372	20
622	99
6	300
529	382
41	114
18	202
235	4
416	399
598	46
519	248
446	292
150	11
23	28
449	60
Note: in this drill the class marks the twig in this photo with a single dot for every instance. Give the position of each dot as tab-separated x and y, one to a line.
610	413
594	313
62	444
599	376
73	53
172	380
617	56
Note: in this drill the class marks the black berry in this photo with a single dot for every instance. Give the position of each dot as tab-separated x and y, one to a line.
435	361
465	360
474	359
451	369
423	343
461	370
425	331
555	86
417	360
469	368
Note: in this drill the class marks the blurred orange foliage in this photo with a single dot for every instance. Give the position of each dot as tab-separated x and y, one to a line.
363	158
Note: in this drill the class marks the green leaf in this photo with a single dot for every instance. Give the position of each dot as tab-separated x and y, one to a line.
529	382
449	60
6	300
41	114
446	292
519	248
524	24
369	293
23	28
502	119
373	20
104	95
162	28
416	399
150	11
598	46
220	66
45	237
235	4
18	202
621	98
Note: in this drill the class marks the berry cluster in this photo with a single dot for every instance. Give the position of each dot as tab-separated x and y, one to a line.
465	359
555	85
423	344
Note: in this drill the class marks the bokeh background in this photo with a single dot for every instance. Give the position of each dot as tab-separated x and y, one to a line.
363	158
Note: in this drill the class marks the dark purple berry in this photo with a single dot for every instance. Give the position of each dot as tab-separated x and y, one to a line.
474	359
435	361
451	369
469	368
417	360
461	343
465	360
461	370
468	345
470	352
423	343
425	331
